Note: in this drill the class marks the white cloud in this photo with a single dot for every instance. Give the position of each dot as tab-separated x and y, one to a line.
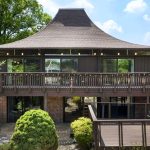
146	17
147	38
52	7
136	6
109	26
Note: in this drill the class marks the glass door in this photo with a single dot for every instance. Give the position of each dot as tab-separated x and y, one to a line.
17	106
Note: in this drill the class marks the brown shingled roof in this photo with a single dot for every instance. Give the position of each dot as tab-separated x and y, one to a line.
71	29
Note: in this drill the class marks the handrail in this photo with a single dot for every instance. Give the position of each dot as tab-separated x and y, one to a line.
97	129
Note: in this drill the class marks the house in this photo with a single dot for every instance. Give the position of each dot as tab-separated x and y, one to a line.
71	57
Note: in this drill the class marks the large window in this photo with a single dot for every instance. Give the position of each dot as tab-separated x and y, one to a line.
61	65
52	65
69	65
118	65
32	65
15	65
3	65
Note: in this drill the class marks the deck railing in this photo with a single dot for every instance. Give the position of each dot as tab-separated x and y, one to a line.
120	133
80	79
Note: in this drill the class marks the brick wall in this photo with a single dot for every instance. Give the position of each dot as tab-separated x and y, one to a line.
3	109
55	108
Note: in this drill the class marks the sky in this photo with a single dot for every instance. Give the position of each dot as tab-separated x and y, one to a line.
128	20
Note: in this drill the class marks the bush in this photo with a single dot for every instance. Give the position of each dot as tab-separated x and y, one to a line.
5	146
35	130
82	130
76	99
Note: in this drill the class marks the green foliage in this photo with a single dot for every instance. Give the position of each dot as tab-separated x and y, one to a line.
82	130
35	130
5	146
20	18
123	65
76	99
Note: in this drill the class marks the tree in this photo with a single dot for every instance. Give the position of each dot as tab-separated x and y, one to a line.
20	18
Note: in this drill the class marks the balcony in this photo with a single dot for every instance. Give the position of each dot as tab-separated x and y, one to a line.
81	84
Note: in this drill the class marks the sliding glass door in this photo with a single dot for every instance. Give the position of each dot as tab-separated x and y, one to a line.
17	106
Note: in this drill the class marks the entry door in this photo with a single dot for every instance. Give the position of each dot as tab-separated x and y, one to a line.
17	106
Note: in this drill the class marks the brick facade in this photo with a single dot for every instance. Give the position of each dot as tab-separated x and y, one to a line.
3	109
55	108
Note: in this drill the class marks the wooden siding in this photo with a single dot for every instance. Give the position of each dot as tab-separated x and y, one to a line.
142	64
88	64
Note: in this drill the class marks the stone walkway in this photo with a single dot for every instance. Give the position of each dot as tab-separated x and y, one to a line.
63	131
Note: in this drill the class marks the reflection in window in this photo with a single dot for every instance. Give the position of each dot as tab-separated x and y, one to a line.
110	65
118	65
52	65
32	65
69	65
3	66
15	65
125	65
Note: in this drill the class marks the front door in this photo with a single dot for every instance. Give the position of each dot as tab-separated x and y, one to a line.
17	106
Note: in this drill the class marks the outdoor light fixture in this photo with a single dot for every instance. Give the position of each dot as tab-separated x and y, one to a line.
61	54
118	54
39	54
22	54
102	54
94	54
7	54
78	53
135	53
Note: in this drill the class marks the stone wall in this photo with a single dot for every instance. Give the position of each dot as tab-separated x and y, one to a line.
55	108
3	109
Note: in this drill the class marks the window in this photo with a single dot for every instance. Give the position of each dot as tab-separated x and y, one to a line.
3	66
110	65
118	65
15	65
32	65
69	65
52	65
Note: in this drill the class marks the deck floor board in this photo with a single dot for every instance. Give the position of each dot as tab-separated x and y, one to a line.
132	135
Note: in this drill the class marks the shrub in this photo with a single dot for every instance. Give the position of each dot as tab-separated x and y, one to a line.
5	146
35	130
76	99
82	130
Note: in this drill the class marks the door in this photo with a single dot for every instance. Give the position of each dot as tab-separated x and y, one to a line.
17	106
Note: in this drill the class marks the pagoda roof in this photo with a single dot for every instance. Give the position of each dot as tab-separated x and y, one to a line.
71	29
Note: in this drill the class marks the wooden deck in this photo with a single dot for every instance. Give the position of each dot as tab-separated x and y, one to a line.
71	84
120	133
132	135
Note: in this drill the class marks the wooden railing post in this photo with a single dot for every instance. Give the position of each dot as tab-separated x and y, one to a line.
120	134
95	131
144	137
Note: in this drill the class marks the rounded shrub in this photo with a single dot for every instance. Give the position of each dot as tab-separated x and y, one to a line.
82	130
35	130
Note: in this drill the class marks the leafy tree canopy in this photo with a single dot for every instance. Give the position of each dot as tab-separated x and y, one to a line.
20	18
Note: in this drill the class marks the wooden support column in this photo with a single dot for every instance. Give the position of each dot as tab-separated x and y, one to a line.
128	107
148	100
45	102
